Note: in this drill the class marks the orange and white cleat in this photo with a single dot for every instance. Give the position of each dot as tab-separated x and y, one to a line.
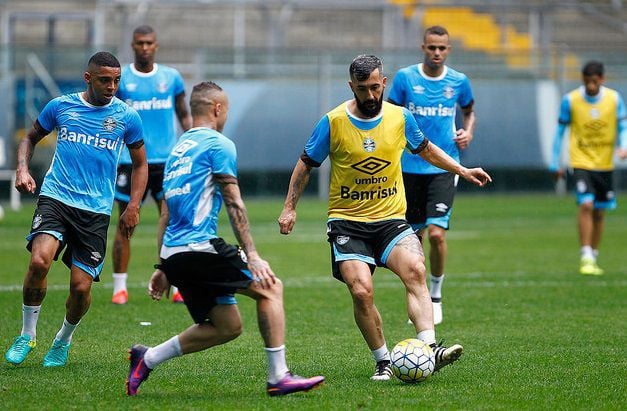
121	297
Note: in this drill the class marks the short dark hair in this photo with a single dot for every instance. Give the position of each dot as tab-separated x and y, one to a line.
593	68
436	30
143	29
103	59
363	65
203	94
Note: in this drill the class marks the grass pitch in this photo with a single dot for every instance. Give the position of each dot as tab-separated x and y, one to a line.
537	334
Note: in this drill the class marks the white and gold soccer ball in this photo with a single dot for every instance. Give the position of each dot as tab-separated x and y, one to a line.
412	360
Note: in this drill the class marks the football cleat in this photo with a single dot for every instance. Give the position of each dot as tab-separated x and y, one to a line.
138	372
382	371
446	355
589	266
57	355
20	348
437	312
121	297
177	297
293	383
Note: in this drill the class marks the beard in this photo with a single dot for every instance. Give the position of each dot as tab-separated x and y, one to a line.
370	108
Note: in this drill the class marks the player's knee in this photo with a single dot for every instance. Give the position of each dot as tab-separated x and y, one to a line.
39	265
276	289
80	288
417	272
232	331
362	293
437	237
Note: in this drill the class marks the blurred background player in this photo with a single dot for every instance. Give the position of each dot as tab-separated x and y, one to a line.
597	119
76	197
157	92
364	139
432	91
201	172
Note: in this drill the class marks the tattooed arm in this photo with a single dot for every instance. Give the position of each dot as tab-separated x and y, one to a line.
238	216
298	182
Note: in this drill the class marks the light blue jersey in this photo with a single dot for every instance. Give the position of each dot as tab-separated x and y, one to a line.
153	95
432	101
89	141
191	193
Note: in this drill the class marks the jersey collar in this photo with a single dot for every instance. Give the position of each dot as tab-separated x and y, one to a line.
138	73
428	77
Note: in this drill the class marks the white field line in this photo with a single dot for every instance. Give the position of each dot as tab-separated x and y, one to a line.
388	280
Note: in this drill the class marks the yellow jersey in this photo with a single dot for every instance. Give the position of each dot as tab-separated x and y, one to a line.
593	130
366	178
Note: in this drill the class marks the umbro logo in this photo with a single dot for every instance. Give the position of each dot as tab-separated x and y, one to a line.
371	165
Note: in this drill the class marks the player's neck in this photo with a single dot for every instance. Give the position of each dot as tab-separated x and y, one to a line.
432	72
205	122
144	67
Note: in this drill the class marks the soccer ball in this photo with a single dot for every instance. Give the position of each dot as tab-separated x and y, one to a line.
412	360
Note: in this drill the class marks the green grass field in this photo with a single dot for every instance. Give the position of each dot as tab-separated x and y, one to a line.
537	334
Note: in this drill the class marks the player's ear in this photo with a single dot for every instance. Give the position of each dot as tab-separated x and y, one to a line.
87	77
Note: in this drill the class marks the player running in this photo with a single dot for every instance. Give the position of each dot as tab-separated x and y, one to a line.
76	197
201	173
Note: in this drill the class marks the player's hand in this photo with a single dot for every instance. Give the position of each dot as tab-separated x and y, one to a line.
622	153
158	285
477	176
263	275
129	220
24	182
286	220
462	138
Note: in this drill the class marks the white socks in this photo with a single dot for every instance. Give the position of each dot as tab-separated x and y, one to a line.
428	336
163	352
436	287
381	353
277	366
30	315
119	282
586	252
65	333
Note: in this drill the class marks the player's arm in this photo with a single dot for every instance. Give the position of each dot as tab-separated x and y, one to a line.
24	182
182	112
298	182
562	125
622	129
464	135
436	156
238	216
139	177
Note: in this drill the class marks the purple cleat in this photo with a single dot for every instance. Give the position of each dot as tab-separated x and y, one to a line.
139	372
294	383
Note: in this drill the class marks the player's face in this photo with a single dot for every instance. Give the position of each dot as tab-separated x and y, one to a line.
592	84
436	49
369	93
145	46
102	84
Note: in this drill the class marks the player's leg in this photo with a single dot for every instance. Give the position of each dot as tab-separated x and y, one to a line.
121	255
405	260
76	305
440	195
43	249
271	322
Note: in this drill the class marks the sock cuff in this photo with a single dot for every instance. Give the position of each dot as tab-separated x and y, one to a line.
31	308
120	275
275	349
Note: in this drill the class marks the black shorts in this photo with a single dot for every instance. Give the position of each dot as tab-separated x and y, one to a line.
596	187
155	182
367	242
207	279
82	233
429	199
